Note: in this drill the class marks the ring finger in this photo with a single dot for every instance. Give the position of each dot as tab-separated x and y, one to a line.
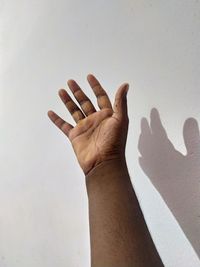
83	100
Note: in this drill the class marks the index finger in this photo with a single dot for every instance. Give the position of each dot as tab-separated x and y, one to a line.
102	97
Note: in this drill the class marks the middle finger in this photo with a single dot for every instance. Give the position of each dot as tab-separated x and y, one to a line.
82	99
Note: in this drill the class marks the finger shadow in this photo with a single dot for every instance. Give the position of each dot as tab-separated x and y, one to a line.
174	175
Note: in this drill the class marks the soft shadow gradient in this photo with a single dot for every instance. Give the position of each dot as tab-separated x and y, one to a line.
174	175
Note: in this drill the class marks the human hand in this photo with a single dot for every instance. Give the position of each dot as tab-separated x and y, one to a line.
98	135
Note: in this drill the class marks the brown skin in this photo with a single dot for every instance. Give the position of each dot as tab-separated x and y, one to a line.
98	135
119	236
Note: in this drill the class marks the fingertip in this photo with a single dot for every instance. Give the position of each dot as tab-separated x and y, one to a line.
126	85
126	88
91	77
123	89
49	113
61	92
70	81
72	84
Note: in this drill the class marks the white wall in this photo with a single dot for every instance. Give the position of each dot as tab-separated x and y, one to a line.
153	45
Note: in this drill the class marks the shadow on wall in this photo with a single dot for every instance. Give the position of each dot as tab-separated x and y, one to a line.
174	175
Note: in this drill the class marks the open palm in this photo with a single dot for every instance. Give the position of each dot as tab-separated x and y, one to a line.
99	135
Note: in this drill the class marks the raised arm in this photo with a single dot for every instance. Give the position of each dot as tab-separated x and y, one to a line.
119	236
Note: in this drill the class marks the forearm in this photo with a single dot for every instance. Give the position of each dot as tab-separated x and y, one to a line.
118	233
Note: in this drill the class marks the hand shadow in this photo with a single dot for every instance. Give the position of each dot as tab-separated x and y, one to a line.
174	175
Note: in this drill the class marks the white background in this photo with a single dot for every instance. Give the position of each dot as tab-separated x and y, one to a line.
152	45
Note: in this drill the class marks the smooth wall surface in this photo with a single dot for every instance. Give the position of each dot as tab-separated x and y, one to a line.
153	45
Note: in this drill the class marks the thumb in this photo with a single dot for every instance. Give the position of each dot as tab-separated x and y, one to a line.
191	136
120	104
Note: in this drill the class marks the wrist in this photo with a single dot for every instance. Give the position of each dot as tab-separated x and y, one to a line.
107	171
